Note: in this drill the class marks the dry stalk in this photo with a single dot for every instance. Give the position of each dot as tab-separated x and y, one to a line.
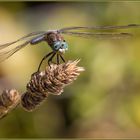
51	81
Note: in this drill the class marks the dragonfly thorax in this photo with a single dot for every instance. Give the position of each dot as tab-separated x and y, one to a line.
56	42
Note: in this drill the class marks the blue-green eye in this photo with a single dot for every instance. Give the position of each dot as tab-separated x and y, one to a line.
57	45
64	45
60	45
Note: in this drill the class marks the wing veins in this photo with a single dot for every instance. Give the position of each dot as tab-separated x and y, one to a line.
100	27
24	37
99	35
6	54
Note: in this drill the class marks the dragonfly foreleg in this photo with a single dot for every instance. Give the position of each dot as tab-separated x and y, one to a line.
62	58
50	59
57	59
45	57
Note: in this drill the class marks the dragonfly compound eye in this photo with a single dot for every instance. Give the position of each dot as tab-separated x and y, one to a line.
64	46
56	45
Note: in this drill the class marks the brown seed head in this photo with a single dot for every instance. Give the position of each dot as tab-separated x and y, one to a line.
51	81
9	99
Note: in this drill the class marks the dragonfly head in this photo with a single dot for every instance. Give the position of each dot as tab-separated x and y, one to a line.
60	46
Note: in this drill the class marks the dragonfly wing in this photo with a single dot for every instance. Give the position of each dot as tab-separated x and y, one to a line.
100	35
2	46
6	54
100	27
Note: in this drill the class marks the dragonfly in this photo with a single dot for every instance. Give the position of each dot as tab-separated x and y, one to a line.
56	41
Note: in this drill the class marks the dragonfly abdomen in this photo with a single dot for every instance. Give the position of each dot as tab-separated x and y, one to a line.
37	40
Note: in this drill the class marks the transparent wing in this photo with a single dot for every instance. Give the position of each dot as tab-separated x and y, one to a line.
100	27
100	35
6	54
2	46
8	49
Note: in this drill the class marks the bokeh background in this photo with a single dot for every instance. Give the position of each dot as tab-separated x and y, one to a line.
104	101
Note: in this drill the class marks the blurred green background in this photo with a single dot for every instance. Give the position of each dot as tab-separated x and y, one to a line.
104	101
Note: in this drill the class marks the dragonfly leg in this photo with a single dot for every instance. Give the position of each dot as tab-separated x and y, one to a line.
45	57
50	59
57	59
62	58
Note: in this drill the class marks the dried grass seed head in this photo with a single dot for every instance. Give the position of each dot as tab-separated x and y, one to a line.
9	99
51	81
